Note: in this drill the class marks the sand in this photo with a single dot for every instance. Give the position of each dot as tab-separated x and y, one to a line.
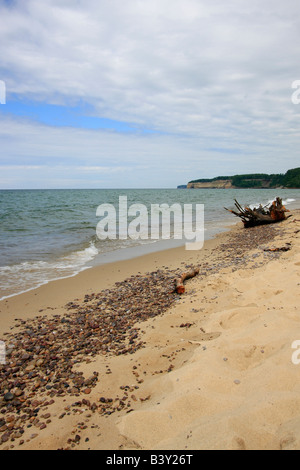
216	369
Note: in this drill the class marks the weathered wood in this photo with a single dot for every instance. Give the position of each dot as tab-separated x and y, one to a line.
179	282
283	248
276	212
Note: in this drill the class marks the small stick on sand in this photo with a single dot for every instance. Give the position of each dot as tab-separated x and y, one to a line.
179	287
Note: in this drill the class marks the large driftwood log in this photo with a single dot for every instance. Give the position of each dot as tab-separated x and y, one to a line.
261	215
179	287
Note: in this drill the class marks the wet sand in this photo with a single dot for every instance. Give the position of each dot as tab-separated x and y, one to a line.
97	365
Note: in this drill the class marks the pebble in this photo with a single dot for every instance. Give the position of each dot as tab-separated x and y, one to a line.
43	350
9	396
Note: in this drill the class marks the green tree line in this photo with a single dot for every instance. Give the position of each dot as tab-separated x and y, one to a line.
260	180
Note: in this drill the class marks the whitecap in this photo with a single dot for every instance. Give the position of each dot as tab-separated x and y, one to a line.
29	275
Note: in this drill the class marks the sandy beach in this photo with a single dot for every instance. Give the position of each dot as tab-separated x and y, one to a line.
92	364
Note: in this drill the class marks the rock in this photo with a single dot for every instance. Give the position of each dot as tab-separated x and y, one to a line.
5	437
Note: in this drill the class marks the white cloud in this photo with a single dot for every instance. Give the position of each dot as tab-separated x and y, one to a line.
207	74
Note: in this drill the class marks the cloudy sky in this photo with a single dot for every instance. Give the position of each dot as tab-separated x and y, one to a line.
146	93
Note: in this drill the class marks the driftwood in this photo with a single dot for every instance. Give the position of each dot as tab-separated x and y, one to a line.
179	287
283	248
261	215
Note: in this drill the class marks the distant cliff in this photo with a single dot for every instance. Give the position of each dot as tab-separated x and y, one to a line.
291	179
215	184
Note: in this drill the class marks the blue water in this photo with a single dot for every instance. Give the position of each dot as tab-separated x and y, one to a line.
51	234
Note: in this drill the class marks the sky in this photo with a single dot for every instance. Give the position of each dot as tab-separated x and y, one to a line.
146	93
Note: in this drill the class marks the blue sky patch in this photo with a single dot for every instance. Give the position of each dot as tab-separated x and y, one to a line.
79	116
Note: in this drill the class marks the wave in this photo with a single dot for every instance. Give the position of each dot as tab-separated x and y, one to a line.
285	202
289	201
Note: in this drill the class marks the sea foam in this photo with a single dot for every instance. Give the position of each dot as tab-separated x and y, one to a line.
29	275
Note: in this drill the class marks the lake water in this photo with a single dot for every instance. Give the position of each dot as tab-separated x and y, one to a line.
51	234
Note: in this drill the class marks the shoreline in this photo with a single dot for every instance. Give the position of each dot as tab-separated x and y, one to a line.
165	373
125	254
96	277
23	276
